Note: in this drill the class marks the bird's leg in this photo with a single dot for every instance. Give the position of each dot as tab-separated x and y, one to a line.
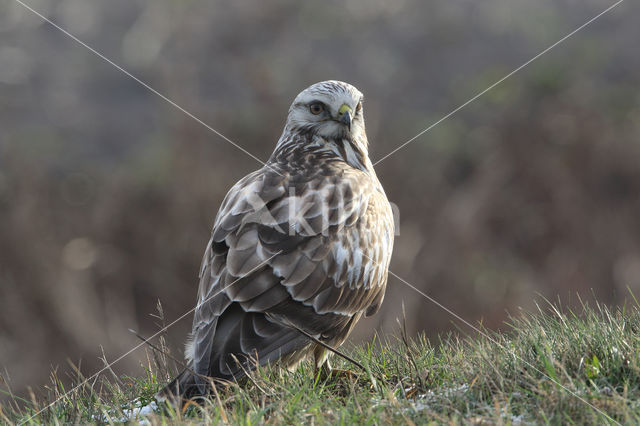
321	362
324	370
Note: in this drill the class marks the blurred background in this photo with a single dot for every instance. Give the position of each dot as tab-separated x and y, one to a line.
108	193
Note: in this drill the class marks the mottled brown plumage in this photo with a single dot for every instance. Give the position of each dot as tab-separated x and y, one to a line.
303	242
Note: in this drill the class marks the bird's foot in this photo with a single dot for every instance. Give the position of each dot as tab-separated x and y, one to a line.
336	373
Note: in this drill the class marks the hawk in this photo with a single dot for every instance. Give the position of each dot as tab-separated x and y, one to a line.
301	245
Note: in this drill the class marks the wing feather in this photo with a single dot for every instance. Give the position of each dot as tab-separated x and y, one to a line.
265	269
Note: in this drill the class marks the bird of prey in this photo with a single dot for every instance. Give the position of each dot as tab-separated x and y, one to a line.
301	245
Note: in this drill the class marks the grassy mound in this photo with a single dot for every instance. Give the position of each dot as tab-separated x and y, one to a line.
551	367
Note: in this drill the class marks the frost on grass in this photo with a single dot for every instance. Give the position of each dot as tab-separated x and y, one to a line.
548	368
133	411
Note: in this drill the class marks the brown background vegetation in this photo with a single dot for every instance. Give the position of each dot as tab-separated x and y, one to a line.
107	193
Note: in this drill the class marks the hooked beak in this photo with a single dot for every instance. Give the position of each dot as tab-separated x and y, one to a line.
344	115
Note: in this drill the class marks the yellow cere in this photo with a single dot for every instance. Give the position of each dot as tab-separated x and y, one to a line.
344	108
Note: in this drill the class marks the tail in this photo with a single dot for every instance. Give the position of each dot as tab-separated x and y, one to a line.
183	388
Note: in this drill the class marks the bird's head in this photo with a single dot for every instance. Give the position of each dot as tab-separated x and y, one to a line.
330	109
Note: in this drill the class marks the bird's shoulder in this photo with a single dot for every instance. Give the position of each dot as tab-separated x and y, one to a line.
327	196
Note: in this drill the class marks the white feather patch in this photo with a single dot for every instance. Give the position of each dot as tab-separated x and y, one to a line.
190	349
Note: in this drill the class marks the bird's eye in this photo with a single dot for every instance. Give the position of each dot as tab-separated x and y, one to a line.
359	107
316	108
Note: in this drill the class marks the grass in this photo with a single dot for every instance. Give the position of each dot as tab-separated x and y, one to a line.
550	367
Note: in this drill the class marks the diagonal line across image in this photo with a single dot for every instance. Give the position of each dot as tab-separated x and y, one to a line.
174	104
139	81
497	83
139	345
494	341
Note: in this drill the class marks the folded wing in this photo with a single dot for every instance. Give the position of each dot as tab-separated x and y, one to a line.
310	252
